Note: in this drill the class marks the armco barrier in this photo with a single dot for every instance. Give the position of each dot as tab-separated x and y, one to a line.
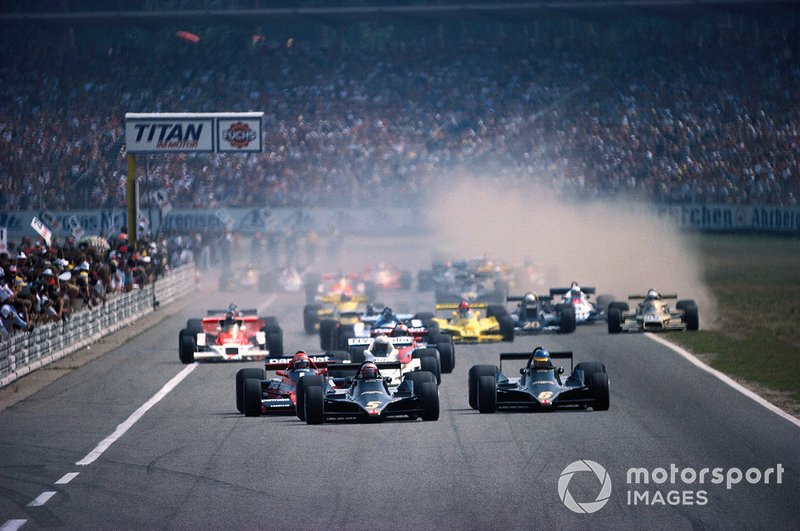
27	352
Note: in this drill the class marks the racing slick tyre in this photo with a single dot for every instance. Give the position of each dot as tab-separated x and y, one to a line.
343	335
429	401
194	325
313	402
690	314
311	282
475	372
600	393
418	378
300	393
506	327
432	326
341	356
496	310
447	356
310	318
275	343
590	368
424	316
487	394
187	344
566	320
251	401
429	360
602	302
326	329
270	322
691	318
614	320
241	376
622	305
357	354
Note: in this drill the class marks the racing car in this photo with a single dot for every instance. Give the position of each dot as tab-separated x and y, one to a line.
320	286
230	335
287	279
653	314
258	395
540	386
536	314
365	393
468	326
580	298
405	350
386	276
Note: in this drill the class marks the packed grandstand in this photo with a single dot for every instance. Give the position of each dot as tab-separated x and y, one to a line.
698	110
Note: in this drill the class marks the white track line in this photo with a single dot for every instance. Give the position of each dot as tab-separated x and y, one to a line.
725	379
125	426
66	478
12	525
42	498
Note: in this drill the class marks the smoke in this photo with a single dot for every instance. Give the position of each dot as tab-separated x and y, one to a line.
621	248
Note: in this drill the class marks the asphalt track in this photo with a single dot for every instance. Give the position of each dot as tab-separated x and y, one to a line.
192	462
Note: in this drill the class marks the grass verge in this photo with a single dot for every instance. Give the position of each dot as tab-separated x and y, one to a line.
756	281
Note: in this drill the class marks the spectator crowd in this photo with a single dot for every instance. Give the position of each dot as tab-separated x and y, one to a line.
710	118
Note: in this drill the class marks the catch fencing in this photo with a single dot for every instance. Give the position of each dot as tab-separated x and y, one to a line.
26	352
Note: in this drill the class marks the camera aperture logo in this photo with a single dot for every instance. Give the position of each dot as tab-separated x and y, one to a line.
584	465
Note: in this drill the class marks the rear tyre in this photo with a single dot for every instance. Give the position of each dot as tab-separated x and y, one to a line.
487	394
496	310
187	344
590	368
310	318
429	360
241	376
506	327
447	356
567	320
326	329
602	302
614	320
475	372
275	343
621	305
194	325
690	314
251	401
418	378
429	400
600	391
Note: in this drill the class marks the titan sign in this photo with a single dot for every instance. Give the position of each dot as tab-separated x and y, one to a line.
193	132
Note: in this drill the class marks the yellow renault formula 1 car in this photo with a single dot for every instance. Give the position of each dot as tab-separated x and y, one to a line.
652	314
467	325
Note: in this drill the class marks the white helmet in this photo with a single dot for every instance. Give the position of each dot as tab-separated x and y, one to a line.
382	346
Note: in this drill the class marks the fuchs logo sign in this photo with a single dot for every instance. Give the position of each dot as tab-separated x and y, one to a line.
239	135
193	132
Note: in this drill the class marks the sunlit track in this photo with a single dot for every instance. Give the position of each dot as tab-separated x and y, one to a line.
191	461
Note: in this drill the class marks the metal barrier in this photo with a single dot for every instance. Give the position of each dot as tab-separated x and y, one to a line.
26	352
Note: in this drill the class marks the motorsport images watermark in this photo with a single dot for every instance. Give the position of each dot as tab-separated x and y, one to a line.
661	486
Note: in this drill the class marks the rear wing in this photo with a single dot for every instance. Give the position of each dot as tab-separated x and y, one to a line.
396	341
282	363
344	370
214	313
555	355
520	298
454	305
588	290
663	296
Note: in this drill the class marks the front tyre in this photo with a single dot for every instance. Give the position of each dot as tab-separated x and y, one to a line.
487	394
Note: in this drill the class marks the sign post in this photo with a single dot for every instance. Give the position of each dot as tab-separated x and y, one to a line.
211	132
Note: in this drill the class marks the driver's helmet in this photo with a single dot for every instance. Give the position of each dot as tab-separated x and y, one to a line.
230	320
463	308
387	313
652	295
370	309
541	359
400	330
369	371
301	360
233	310
381	346
575	293
529	299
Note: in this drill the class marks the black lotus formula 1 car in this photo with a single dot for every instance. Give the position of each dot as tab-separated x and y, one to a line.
540	386
360	391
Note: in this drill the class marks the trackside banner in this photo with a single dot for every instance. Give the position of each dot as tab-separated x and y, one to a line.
731	218
194	132
720	217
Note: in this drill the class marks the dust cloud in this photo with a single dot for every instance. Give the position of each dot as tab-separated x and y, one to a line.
621	248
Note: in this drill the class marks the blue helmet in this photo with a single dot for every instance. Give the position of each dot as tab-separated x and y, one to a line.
541	359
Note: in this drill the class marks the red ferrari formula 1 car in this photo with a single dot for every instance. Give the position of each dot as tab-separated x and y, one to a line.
230	335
